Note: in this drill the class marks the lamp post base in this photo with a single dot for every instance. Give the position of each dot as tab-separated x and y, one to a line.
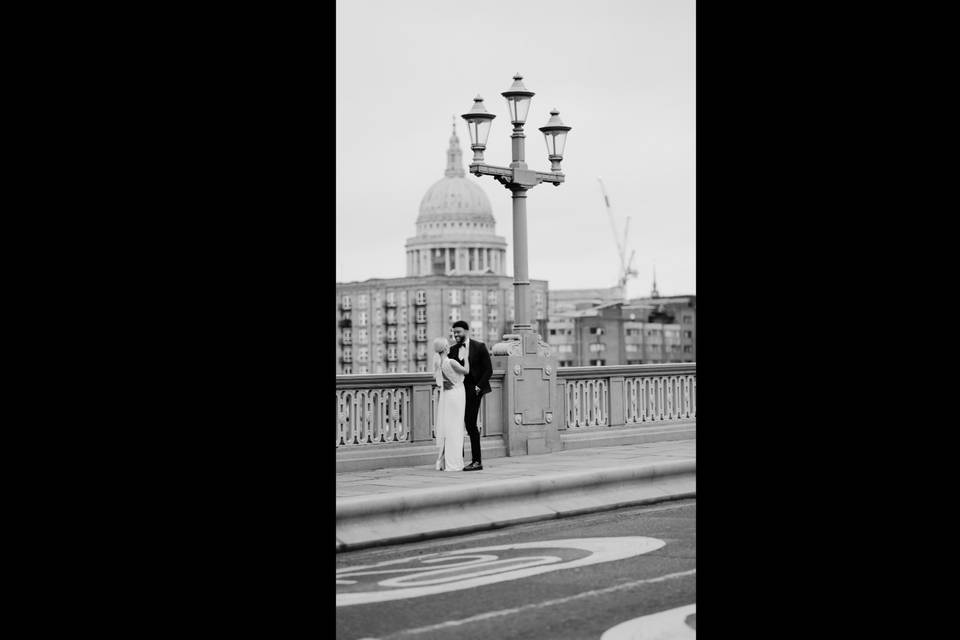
530	399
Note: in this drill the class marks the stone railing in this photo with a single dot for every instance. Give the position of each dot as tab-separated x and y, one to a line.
401	408
633	395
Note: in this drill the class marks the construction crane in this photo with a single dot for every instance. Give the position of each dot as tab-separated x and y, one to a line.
626	265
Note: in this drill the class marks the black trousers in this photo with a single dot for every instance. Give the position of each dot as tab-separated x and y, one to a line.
470	418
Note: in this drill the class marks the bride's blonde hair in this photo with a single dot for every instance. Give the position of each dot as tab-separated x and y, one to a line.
439	346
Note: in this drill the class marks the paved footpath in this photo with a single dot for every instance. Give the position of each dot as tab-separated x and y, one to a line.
385	506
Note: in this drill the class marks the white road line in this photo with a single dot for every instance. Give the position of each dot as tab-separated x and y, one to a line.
539	605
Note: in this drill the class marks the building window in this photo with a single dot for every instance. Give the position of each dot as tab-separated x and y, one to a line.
347	369
493	335
455	296
492	297
392	334
363	354
565	348
476	312
347	335
688	334
454	314
378	314
421	333
598	346
362	319
633	332
391	298
421	297
565	363
634	361
476	296
687	348
421	367
363	369
345	302
362	301
379	334
421	314
597	363
362	336
596	331
687	319
476	331
632	347
379	352
392	367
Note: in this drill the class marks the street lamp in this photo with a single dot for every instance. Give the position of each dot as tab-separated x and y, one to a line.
518	179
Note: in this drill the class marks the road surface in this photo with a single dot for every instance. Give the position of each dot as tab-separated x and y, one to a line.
628	573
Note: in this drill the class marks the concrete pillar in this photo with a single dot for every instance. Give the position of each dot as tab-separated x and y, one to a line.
446	257
530	400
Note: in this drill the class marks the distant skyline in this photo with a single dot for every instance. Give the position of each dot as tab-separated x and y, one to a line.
621	73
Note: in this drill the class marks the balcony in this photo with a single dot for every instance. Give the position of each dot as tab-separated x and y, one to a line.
347	357
345	324
420	302
421	338
346	340
391	357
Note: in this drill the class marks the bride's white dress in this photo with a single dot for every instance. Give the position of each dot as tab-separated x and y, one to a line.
449	426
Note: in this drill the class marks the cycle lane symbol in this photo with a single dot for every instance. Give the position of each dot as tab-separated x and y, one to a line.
468	568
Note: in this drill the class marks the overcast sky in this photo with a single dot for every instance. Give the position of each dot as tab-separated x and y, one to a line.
622	74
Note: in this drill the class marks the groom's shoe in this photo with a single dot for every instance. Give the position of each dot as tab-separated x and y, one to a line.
473	466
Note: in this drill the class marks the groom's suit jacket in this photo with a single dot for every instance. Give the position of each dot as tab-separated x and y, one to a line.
480	366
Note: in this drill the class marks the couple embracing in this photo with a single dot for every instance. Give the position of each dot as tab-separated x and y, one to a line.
462	370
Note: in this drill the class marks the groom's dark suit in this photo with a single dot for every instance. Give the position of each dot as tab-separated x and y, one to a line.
480	371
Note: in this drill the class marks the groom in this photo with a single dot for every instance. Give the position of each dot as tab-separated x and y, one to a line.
477	383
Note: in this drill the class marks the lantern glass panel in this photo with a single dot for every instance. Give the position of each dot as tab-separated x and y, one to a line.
479	130
518	106
556	140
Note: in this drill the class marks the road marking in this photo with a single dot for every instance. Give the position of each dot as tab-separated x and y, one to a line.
469	568
539	605
665	625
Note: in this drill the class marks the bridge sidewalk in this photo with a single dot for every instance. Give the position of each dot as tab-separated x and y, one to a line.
386	506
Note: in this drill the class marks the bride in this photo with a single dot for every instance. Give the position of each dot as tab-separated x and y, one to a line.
449	426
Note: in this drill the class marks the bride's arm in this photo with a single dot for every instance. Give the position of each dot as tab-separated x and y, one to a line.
459	368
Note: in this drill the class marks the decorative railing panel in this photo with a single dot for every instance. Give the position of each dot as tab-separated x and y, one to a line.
398	408
587	402
602	397
370	416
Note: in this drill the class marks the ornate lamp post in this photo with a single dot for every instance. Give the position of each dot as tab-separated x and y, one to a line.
518	179
529	379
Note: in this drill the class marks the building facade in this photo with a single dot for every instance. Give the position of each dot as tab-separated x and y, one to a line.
643	331
456	270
